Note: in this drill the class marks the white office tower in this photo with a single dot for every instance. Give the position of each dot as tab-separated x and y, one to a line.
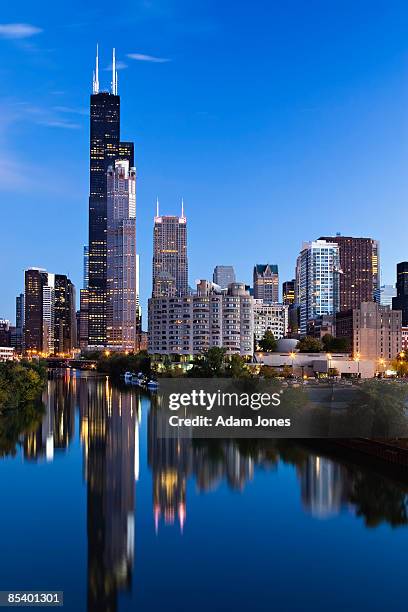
48	314
122	282
318	278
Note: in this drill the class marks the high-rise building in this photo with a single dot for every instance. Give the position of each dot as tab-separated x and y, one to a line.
83	318
270	317
374	331
18	334
288	292
122	298
401	301
138	307
359	280
64	315
49	315
5	332
86	268
191	324
20	311
387	292
318	278
105	149
170	264
127	153
224	276
266	283
50	320
35	281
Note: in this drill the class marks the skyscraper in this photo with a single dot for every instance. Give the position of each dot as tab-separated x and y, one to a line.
18	337
83	304
288	292
122	299
170	265
266	283
49	315
35	281
387	292
359	265
105	149
64	315
318	277
401	301
86	268
50	322
224	276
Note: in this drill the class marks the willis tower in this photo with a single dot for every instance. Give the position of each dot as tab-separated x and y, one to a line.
105	149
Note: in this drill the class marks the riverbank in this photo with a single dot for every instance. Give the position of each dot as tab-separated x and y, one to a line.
20	383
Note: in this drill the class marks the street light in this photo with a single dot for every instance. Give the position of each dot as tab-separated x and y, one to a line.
357	358
329	358
292	356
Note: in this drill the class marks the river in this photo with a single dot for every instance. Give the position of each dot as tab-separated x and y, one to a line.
94	504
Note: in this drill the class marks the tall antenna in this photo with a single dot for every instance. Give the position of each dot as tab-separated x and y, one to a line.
182	208
95	84
157	207
114	75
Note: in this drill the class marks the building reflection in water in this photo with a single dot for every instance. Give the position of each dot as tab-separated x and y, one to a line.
324	486
109	433
109	430
58	424
174	459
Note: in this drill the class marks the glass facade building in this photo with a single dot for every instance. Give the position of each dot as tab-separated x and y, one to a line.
318	291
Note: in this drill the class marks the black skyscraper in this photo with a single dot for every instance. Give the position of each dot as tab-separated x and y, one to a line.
401	301
105	148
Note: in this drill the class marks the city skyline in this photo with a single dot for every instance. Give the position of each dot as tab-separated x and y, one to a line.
286	156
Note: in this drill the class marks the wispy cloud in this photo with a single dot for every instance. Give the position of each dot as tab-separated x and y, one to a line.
59	123
49	117
17	174
119	66
18	30
142	57
71	111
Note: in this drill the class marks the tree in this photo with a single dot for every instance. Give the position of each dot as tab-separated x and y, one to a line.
268	342
379	408
400	364
117	364
20	383
335	345
237	368
268	372
309	345
287	371
209	364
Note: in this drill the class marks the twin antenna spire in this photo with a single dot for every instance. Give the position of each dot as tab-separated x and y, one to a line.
182	208
95	90
95	80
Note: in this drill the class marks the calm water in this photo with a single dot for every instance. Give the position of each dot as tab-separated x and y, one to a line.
92	503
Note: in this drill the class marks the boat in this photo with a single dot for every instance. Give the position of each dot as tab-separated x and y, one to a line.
152	385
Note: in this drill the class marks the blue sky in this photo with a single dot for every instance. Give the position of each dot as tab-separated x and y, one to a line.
276	121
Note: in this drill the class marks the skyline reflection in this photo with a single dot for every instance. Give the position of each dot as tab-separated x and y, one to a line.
106	420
